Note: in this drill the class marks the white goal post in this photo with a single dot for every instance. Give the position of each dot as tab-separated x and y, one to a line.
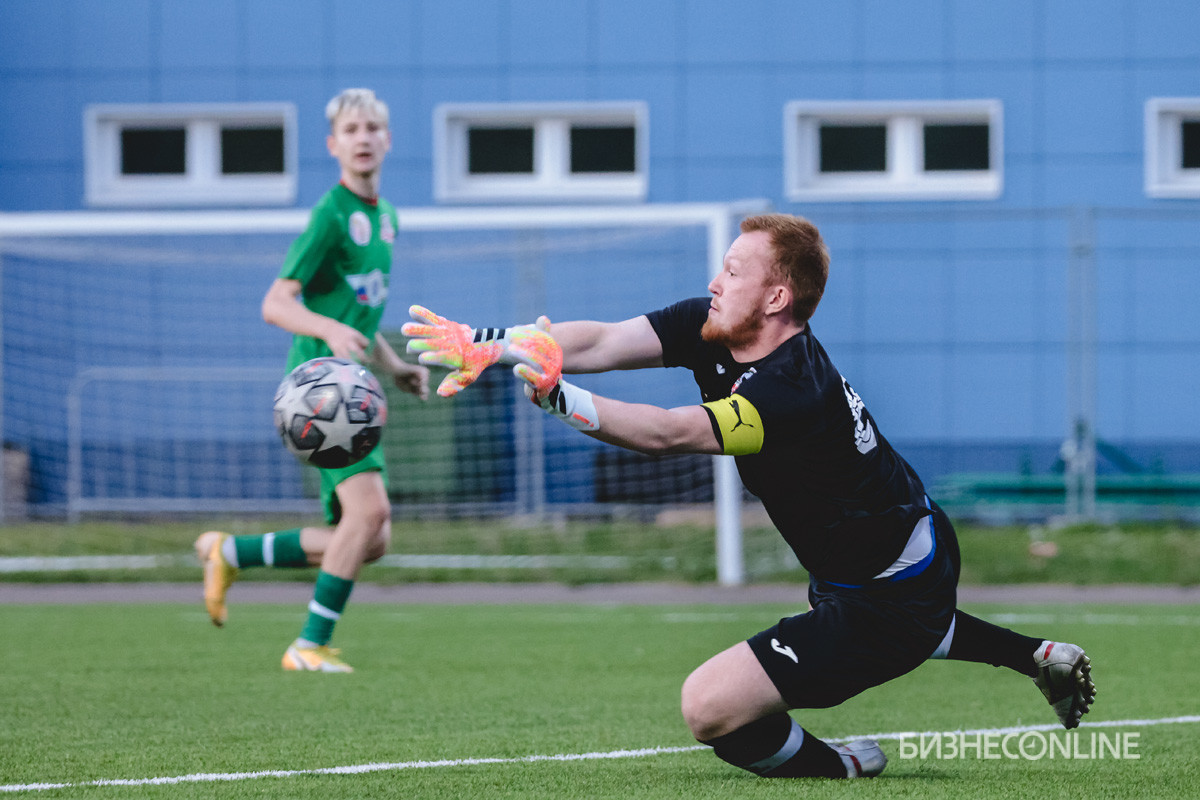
21	233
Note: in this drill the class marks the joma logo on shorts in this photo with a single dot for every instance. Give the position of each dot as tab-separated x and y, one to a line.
783	649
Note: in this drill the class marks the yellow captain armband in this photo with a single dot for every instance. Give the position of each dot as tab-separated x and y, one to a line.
738	424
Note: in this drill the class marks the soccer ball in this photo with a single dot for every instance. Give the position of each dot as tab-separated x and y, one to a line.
330	412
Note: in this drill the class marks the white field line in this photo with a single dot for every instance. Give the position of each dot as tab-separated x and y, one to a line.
10	565
1093	619
358	769
17	564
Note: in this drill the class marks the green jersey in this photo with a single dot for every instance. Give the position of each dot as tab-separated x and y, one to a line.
343	261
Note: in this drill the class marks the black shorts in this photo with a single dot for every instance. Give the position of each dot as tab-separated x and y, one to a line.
856	638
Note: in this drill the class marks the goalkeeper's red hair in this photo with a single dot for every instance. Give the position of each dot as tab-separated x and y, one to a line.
801	258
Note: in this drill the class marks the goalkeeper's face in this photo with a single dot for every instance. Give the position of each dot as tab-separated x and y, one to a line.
740	292
359	140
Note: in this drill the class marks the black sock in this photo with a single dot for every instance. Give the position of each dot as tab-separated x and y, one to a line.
983	642
776	747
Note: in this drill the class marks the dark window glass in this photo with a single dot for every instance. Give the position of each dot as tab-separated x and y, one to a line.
251	150
1191	145
602	149
853	148
956	147
500	150
153	151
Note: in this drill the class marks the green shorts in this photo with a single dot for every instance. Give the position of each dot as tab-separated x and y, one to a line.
330	478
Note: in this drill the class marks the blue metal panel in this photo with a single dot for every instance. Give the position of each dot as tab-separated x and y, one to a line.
381	35
993	396
1088	29
913	31
716	32
548	33
1163	385
200	85
811	83
1082	181
1165	29
811	34
994	32
1089	109
458	33
729	113
537	85
287	34
997	298
33	127
718	179
199	34
104	35
1164	299
34	35
904	389
905	82
637	32
908	298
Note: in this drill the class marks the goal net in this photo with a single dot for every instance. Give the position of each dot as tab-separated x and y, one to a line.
138	374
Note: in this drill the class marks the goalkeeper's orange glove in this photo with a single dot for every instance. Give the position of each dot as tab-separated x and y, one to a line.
542	373
468	351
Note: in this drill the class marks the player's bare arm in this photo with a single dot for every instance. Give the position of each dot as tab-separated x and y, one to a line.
601	346
283	308
654	430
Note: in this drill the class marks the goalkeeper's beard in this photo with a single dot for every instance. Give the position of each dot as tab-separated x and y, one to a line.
739	334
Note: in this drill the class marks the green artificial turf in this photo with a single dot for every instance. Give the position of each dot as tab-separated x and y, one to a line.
451	702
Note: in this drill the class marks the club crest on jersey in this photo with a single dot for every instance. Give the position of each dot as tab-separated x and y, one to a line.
370	289
744	376
387	231
360	229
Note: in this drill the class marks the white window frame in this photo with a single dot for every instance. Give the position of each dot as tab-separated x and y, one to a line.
202	183
904	178
551	179
1164	144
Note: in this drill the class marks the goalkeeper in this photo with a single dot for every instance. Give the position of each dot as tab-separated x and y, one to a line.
330	295
882	557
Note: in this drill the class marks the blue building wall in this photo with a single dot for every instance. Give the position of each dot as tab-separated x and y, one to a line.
949	317
1072	75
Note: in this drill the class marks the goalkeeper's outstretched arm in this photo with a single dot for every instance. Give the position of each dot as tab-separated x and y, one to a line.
655	430
602	346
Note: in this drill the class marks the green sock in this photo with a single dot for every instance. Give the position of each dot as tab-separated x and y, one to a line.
279	549
324	610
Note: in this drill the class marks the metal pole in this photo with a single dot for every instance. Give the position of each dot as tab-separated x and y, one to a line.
1079	451
727	486
530	444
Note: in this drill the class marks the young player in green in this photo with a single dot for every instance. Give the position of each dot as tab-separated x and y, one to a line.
330	295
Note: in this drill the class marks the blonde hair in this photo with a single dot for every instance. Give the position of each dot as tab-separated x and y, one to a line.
356	98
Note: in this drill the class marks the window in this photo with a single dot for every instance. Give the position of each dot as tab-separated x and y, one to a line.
500	151
190	155
542	151
1173	147
913	150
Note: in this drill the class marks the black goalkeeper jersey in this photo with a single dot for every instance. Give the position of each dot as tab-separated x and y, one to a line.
805	444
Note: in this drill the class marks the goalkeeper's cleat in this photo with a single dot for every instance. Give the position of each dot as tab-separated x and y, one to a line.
219	574
863	758
1064	675
321	658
